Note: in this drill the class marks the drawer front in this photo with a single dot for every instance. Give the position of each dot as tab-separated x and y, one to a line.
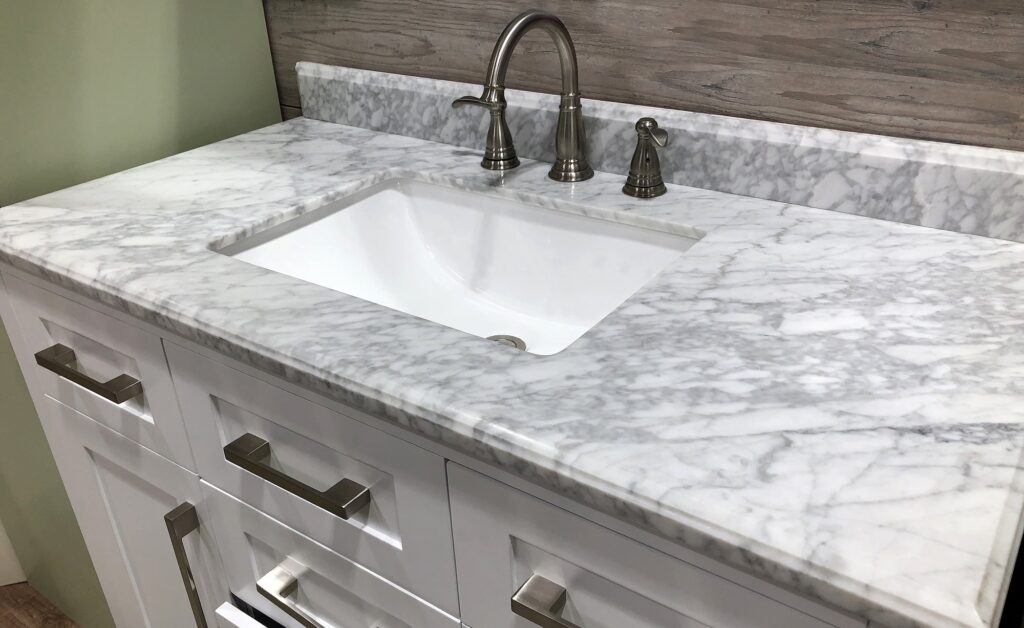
554	568
299	582
367	495
109	370
228	616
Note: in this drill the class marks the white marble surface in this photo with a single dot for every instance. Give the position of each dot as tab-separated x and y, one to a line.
967	189
833	403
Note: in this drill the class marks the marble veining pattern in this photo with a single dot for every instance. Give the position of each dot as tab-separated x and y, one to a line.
946	186
833	403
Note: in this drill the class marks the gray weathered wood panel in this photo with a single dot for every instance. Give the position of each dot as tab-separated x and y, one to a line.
950	70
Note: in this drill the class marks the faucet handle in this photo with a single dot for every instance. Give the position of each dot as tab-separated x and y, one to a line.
500	153
644	179
477	102
651	128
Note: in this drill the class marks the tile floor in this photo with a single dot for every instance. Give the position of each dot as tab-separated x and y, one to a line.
21	606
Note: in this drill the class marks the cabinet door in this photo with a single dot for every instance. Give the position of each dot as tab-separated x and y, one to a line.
121	493
525	563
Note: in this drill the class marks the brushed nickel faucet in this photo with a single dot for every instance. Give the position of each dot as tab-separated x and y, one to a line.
500	153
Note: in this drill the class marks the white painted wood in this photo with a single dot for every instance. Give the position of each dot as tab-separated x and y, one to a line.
828	615
652	540
10	569
120	493
502	536
230	617
405	534
104	347
334	590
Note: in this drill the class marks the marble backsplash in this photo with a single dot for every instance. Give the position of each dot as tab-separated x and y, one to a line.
945	186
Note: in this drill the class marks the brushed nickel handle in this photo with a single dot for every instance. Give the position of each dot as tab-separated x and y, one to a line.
659	135
475	101
181	522
344	499
281	583
58	359
541	602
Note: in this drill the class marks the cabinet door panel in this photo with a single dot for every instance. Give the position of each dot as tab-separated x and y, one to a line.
120	493
601	579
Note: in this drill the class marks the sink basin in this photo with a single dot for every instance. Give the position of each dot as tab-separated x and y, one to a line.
478	263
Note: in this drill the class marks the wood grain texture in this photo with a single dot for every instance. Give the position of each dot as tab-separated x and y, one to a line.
21	606
950	70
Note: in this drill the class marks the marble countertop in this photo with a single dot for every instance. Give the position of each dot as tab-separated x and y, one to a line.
831	402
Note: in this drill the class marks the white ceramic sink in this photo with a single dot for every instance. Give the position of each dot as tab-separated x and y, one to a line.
478	263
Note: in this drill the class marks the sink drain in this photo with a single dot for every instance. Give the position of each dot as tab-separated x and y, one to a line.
511	341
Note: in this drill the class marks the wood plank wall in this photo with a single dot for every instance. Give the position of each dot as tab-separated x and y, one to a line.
950	70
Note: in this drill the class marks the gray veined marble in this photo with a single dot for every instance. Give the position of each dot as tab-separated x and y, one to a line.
830	402
946	186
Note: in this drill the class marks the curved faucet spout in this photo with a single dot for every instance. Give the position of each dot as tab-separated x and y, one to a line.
509	39
500	154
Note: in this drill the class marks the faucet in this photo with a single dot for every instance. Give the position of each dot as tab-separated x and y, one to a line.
500	154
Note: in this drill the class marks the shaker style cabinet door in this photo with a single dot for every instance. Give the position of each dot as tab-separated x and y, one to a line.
523	563
138	514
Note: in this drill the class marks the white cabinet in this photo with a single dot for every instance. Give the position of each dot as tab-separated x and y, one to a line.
523	562
303	453
230	617
298	581
121	493
78	355
264	473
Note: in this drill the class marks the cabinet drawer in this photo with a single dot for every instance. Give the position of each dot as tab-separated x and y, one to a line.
299	582
505	538
305	465
72	353
230	617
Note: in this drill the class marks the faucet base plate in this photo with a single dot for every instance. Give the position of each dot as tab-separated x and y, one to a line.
644	192
571	170
500	164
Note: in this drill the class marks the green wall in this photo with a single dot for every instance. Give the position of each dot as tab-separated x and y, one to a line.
90	87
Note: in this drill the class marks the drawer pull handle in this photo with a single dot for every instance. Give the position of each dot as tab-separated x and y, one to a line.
58	359
181	522
344	499
541	602
280	584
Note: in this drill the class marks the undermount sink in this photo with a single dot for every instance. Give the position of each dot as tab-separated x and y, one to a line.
479	263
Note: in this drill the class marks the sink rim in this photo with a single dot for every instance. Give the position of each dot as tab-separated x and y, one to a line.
552	319
231	242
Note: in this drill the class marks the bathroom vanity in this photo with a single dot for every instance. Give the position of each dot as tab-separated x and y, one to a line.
730	411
